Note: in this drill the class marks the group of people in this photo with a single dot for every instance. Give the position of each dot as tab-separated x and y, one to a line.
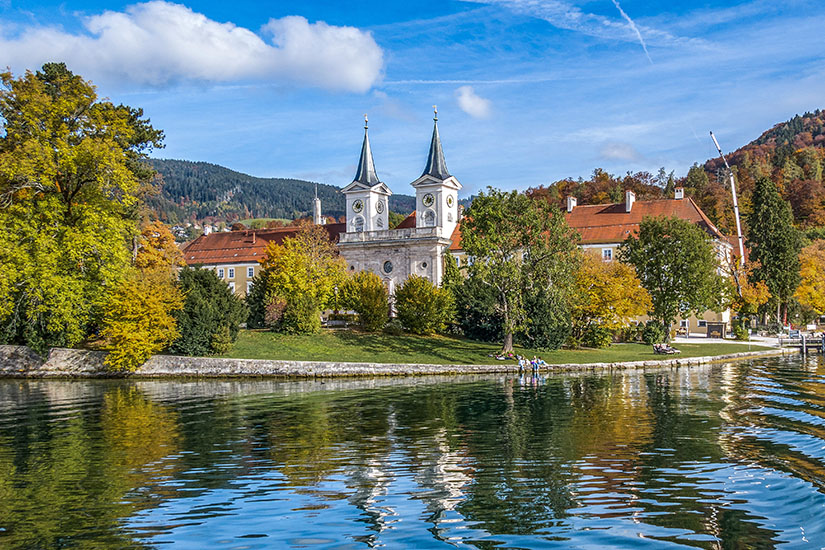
534	364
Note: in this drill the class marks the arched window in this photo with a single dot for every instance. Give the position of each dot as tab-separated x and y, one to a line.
429	218
358	224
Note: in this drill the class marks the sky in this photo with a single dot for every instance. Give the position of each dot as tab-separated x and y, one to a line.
528	91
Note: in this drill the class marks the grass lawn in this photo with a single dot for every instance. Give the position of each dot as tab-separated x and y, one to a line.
247	222
354	346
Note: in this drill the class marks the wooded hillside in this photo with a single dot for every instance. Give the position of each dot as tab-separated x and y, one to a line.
199	190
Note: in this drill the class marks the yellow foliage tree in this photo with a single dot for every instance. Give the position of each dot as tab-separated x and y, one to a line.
138	319
747	294
607	295
157	247
302	273
811	289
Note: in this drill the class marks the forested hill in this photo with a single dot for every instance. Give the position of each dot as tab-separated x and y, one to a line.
791	153
200	190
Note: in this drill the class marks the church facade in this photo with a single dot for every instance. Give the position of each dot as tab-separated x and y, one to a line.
417	246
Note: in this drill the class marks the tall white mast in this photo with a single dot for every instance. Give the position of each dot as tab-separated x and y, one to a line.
735	203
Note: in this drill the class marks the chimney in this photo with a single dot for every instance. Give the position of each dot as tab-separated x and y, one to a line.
629	199
571	203
460	211
207	229
679	193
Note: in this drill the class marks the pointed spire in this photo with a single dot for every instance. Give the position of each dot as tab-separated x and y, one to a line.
366	166
436	165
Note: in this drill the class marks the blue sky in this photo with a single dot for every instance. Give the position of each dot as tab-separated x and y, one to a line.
528	91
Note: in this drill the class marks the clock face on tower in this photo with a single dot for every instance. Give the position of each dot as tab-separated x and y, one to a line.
428	200
450	201
379	207
357	206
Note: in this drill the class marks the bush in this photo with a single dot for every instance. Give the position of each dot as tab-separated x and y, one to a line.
597	336
476	315
422	307
365	294
299	314
740	332
653	333
209	308
548	320
394	328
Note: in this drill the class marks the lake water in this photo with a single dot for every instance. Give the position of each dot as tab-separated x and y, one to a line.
722	456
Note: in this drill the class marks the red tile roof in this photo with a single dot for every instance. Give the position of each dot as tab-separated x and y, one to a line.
408	223
609	223
242	246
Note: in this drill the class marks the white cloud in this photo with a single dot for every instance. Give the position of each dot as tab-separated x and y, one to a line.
158	43
617	150
471	103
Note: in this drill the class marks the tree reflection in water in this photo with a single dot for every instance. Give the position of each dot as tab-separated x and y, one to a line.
691	456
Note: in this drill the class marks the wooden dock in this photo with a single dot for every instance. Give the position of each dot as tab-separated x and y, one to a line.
807	344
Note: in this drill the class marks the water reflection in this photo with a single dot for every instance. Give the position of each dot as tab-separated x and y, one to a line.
723	456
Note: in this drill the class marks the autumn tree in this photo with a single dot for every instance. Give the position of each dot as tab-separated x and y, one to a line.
774	244
811	290
521	247
301	274
138	318
607	296
366	294
747	294
675	262
71	179
157	248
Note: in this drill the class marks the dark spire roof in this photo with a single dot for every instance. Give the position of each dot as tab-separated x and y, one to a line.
436	166
366	166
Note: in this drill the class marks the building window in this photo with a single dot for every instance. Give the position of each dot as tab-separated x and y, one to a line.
248	285
358	224
429	218
703	323
607	254
231	272
457	261
683	323
220	273
232	286
250	272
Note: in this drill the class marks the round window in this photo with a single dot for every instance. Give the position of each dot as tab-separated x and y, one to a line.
388	267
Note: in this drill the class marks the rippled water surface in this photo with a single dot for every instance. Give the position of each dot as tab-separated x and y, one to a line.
722	456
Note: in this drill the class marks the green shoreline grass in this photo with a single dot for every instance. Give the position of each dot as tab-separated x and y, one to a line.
359	347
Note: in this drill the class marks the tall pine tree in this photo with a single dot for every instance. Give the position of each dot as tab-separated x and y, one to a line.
775	244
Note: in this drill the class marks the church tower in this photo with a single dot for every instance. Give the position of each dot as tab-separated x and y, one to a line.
436	191
367	197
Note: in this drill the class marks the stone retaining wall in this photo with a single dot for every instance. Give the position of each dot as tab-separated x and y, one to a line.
21	362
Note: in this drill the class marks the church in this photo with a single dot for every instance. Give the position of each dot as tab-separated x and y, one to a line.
417	245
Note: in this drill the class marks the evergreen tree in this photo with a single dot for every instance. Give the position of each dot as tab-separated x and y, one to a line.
774	244
211	314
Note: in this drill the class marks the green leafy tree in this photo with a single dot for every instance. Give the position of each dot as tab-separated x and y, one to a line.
210	310
365	294
521	246
775	244
422	307
71	180
675	262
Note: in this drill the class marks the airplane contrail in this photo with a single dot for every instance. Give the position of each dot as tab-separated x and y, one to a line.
635	29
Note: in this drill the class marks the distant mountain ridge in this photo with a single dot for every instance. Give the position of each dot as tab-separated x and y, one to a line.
195	191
